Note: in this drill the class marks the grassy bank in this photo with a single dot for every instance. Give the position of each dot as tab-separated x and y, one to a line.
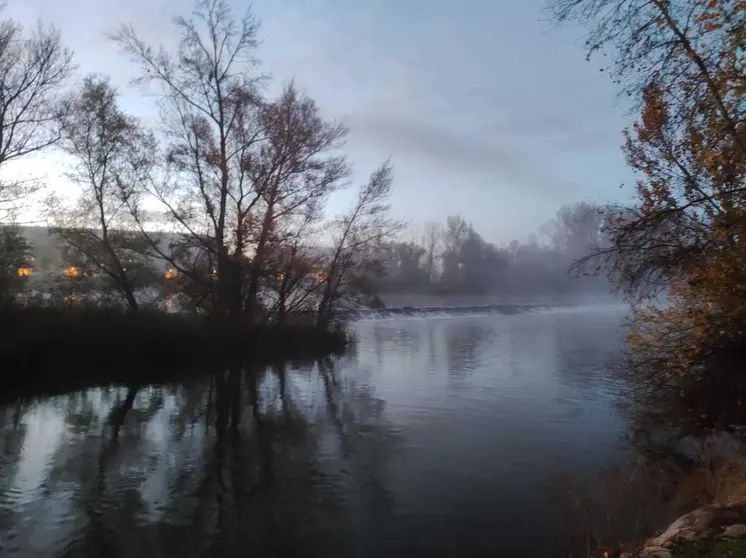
44	350
712	548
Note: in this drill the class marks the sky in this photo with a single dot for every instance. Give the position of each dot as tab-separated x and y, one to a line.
486	108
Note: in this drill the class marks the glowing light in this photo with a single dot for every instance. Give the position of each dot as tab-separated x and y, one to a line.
280	276
71	271
24	271
170	274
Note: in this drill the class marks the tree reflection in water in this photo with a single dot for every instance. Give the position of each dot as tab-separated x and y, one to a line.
272	461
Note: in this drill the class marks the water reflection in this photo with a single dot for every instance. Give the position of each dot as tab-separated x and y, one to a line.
274	460
432	437
462	344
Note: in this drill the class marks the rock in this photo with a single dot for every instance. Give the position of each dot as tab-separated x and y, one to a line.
701	523
737	530
697	524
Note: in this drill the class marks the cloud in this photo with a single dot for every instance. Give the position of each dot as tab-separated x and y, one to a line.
437	147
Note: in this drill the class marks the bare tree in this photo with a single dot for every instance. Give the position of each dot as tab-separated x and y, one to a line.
239	165
112	156
34	67
357	256
209	106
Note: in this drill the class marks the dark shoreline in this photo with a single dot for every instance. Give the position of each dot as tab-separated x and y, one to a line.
48	351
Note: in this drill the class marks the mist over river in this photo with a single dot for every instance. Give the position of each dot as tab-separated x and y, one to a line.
435	436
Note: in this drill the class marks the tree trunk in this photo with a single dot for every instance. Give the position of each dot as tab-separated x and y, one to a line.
256	265
228	306
131	300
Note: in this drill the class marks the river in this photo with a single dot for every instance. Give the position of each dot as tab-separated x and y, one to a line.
435	436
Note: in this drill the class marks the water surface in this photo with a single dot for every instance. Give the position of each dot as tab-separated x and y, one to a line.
435	436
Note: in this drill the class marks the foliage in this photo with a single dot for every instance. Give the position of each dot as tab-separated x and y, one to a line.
683	63
711	548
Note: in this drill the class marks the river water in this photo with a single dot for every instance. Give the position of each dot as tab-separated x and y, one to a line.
434	436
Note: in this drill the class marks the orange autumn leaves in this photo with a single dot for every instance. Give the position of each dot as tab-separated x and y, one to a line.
689	146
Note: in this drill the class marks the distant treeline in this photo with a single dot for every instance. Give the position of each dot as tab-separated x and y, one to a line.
453	258
445	259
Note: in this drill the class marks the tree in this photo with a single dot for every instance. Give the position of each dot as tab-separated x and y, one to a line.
112	156
209	101
293	274
432	241
294	172
408	259
33	71
239	165
683	61
357	256
456	235
15	255
576	229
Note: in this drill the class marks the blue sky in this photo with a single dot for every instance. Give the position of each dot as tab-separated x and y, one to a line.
486	108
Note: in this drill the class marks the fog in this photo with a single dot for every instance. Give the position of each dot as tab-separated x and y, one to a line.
451	264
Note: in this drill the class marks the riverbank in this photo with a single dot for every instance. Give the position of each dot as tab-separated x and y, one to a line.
707	532
46	351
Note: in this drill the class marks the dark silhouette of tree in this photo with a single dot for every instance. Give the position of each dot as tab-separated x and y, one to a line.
112	158
356	257
210	107
241	167
34	67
